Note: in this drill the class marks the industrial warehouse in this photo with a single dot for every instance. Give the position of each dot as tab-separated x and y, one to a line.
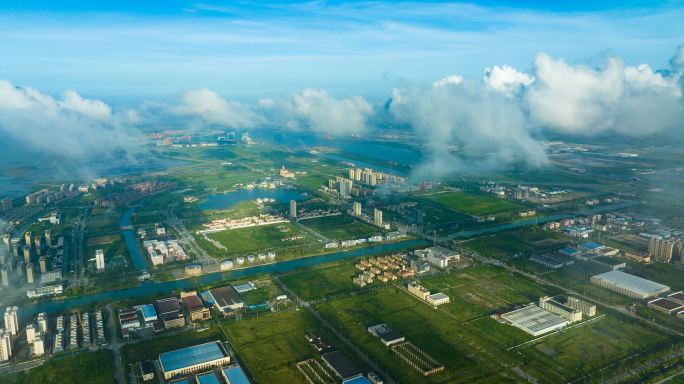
193	359
342	367
533	320
629	285
388	335
665	306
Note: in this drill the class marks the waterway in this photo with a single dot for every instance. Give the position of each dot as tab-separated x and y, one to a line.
225	200
136	254
540	220
149	288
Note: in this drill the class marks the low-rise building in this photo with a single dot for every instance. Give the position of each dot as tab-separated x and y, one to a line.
194	305
559	309
387	335
665	306
436	299
608	262
629	285
147	370
552	261
587	309
534	320
419	291
188	360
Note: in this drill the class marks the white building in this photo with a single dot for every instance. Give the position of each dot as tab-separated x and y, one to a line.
39	344
226	264
437	299
11	320
45	291
30	333
377	217
99	259
5	345
293	208
159	228
534	320
42	322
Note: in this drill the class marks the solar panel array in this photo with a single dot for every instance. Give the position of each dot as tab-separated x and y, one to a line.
192	356
235	376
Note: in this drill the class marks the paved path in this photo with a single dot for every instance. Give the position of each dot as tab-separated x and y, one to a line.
344	340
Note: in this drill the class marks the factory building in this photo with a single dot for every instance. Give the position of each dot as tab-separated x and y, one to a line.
559	309
534	320
234	375
169	311
192	359
608	262
581	305
194	305
552	261
225	299
387	335
629	285
128	318
437	256
665	306
436	299
585	269
342	367
590	247
207	378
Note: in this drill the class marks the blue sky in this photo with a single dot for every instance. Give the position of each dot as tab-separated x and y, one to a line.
127	52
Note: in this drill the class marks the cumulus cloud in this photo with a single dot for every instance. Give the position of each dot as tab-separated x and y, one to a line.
321	111
617	97
73	127
211	108
452	79
677	61
506	79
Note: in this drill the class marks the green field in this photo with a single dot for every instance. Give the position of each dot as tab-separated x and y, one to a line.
110	249
588	289
323	282
466	356
662	273
271	345
267	290
82	368
103	218
522	241
340	227
474	204
481	291
259	238
150	349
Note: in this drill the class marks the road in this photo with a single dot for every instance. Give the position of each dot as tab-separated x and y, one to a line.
305	304
311	231
115	346
644	366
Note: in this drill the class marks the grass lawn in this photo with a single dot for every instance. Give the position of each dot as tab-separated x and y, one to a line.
111	248
511	243
150	349
103	218
259	238
324	282
339	227
271	345
590	290
466	356
267	290
474	204
82	368
587	348
662	273
147	219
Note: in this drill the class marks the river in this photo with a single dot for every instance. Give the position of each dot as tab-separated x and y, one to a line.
224	200
149	288
136	254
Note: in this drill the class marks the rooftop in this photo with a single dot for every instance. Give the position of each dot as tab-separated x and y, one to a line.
225	296
438	296
208	378
192	302
385	332
592	245
533	319
666	304
147	367
342	366
561	306
169	305
235	375
607	260
148	311
188	357
358	380
677	296
630	282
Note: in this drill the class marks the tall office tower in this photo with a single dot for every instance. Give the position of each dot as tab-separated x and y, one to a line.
29	273
42	322
351	173
357	209
417	216
43	264
293	208
378	217
27	237
372	179
48	238
5	275
37	244
5	204
11	320
99	259
27	253
30	333
5	345
357	174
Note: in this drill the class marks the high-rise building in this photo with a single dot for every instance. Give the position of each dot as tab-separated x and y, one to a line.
48	238
5	272
29	273
417	216
27	237
345	188
39	344
7	239
357	209
293	208
663	249
30	333
372	179
5	204
27	253
5	345
42	322
11	320
351	173
357	174
43	264
37	243
378	217
99	259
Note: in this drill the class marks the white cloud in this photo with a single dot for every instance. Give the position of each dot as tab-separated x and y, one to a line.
677	60
323	112
213	109
92	108
506	79
453	79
